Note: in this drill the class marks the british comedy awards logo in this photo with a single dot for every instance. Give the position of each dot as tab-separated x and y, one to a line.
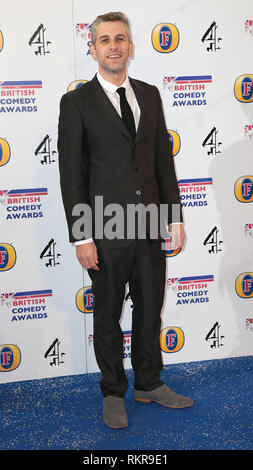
194	191
19	96
29	305
127	339
23	203
190	289
187	90
248	230
248	27
248	131
83	32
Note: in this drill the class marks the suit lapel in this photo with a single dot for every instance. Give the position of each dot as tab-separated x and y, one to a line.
103	105
139	91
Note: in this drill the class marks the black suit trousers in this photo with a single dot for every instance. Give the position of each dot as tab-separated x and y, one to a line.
142	265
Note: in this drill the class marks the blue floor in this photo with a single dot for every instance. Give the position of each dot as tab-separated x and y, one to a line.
65	412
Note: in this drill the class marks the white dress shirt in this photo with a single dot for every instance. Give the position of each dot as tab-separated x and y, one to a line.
111	91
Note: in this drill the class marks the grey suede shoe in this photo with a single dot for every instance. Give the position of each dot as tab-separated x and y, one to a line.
114	412
165	396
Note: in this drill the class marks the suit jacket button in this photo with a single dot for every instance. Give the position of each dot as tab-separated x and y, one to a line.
138	192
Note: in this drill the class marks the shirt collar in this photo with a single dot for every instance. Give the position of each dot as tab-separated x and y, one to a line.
108	86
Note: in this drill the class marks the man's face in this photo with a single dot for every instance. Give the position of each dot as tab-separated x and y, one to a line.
113	48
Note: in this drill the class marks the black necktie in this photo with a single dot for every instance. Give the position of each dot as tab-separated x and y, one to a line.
126	112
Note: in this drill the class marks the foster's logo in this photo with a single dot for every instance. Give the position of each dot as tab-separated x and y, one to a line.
5	152
76	84
244	285
7	256
174	141
1	41
171	339
10	357
85	300
165	37
244	189
243	88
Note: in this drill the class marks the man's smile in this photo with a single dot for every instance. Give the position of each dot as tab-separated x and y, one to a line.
114	56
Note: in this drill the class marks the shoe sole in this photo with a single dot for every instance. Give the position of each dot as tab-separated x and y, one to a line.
147	400
116	427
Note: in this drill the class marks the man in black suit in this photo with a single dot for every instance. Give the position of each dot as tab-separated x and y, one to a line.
113	143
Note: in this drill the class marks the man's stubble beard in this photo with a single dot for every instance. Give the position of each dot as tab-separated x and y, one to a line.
112	70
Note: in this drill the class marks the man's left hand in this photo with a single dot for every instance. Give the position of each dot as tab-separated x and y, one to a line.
177	236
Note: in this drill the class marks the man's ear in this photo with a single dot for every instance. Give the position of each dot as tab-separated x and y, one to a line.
92	50
131	49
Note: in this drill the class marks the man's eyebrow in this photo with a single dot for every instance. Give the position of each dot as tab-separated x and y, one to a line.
107	35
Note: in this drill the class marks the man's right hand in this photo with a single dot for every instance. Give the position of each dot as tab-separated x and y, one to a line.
87	255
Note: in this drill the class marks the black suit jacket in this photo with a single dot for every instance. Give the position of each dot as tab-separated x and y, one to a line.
98	156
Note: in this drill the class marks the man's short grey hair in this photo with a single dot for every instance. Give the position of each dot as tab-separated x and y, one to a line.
112	16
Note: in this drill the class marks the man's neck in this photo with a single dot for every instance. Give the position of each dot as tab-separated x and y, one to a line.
115	78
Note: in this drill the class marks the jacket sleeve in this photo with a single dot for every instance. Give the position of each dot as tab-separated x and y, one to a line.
73	164
165	169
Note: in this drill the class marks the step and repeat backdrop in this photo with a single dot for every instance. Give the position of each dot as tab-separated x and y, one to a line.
199	55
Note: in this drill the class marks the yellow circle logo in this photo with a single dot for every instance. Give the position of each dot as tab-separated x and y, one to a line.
85	300
76	84
165	37
244	285
171	253
1	41
244	188
7	256
243	88
174	141
5	152
10	357
171	339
